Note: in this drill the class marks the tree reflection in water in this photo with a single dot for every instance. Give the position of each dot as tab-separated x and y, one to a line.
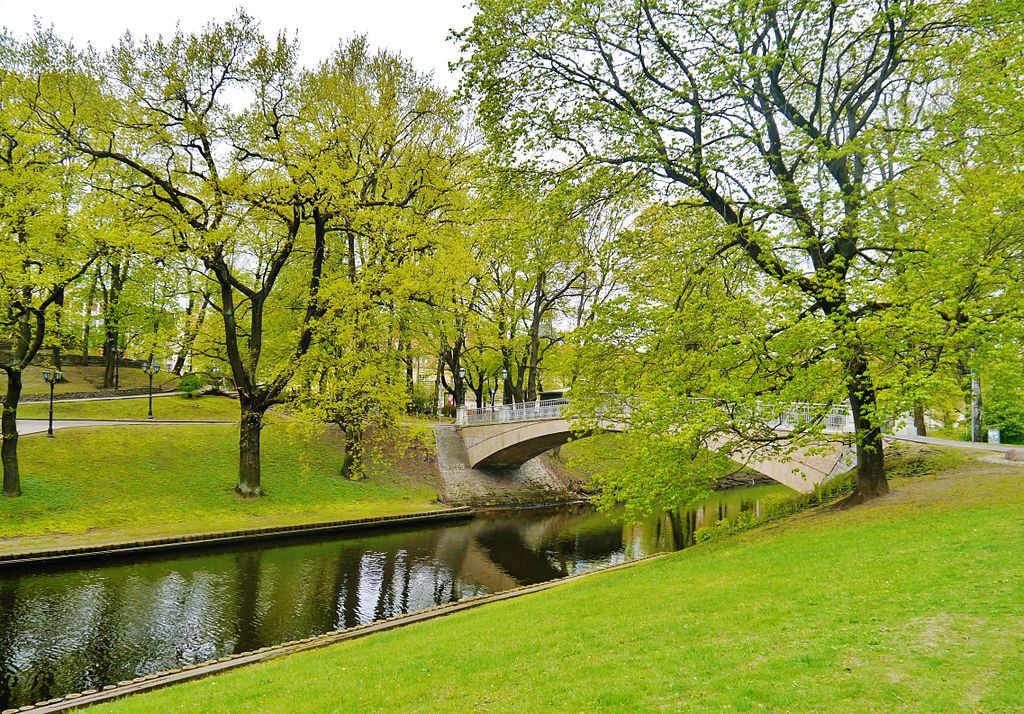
64	630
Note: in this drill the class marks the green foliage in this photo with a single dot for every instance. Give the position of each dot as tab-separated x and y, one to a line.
190	384
803	251
774	508
424	399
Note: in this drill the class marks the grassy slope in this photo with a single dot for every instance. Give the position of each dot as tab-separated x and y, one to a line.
170	408
88	379
108	484
913	603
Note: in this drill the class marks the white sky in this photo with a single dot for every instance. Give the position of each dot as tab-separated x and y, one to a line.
416	29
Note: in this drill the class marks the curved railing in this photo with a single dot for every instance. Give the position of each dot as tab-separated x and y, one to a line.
838	419
524	411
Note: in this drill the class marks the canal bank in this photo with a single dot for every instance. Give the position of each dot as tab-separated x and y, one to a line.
90	625
909	603
62	556
107	486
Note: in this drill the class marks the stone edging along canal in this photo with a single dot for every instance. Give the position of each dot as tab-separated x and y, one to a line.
150	682
159	545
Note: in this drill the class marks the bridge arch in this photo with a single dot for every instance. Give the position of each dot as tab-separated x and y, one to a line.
506	439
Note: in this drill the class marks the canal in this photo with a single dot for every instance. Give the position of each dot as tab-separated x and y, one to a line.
68	629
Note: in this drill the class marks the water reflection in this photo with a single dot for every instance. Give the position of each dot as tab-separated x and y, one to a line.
67	630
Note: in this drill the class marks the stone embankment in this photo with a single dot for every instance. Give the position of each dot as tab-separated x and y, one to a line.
535	482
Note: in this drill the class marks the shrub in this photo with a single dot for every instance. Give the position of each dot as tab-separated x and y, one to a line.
424	399
775	507
190	384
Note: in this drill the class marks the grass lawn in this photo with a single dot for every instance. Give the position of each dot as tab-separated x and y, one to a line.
911	603
109	484
89	379
169	408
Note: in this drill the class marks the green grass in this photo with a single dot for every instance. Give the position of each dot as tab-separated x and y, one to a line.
169	408
110	484
911	603
90	379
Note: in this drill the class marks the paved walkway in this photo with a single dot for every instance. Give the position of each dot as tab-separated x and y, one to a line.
952	442
37	426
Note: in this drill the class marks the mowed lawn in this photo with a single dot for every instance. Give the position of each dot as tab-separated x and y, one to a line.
912	603
88	379
168	408
113	483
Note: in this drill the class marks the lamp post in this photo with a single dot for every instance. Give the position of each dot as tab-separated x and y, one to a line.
150	368
460	392
504	385
52	376
215	373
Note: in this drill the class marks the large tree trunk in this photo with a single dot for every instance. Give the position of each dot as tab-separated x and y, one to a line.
9	428
88	321
480	387
351	464
919	423
110	349
249	452
112	321
538	314
871	481
190	332
58	302
976	413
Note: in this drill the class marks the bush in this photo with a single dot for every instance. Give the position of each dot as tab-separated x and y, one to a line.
424	399
190	384
1005	411
775	507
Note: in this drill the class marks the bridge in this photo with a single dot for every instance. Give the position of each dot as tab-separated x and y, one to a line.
509	435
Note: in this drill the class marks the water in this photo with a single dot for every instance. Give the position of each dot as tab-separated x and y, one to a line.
68	629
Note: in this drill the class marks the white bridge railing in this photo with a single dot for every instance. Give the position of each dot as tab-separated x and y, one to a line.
839	418
524	411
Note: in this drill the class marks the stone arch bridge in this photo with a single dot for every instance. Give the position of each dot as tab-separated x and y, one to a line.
510	435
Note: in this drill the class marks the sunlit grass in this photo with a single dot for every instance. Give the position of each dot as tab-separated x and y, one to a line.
89	379
912	603
107	484
170	408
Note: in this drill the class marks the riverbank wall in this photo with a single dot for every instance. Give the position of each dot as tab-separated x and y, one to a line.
42	558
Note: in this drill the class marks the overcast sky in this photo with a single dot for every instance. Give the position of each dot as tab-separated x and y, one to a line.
419	30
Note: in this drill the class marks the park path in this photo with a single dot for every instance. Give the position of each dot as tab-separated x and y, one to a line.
952	442
37	426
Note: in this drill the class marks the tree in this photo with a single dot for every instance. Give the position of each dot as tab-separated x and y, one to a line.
380	152
43	244
163	112
773	115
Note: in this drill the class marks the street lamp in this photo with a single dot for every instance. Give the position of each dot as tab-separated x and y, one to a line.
215	373
150	368
52	376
